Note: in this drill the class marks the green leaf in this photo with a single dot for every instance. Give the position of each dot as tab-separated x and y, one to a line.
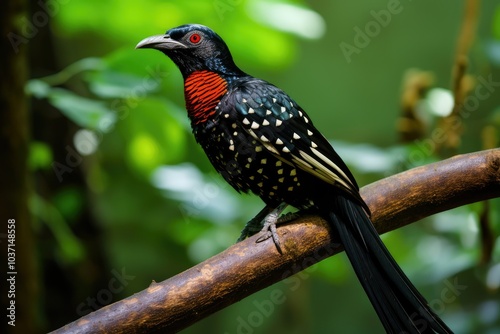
38	88
85	112
110	84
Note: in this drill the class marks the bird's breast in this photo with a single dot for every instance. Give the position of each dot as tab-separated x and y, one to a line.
203	90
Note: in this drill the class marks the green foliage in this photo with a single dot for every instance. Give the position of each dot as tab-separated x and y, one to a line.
69	249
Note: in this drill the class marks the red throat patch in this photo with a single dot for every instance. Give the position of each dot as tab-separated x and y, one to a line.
203	91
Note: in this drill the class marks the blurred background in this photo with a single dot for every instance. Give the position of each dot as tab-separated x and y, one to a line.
122	195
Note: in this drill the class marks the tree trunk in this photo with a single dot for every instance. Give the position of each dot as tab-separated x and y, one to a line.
16	235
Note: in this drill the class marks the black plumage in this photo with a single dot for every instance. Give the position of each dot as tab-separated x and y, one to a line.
261	141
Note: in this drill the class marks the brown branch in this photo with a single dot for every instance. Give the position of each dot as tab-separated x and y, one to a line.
247	267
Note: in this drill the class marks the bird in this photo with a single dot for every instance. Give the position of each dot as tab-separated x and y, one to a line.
262	142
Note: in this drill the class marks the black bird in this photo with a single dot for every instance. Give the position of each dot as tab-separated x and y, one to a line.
260	140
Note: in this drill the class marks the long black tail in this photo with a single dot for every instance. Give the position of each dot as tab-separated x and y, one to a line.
400	307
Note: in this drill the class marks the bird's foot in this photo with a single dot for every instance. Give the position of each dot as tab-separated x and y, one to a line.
269	225
265	221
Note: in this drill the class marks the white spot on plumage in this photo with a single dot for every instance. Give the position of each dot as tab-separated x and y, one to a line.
263	161
283	109
305	119
309	132
258	148
235	133
293	172
246	121
300	113
265	122
226	115
251	111
249	159
244	100
291	104
290	189
296	136
281	180
264	139
252	177
260	184
279	122
247	166
260	170
268	112
286	149
274	100
278	163
280	171
295	179
271	193
279	142
254	125
313	145
231	147
234	126
275	187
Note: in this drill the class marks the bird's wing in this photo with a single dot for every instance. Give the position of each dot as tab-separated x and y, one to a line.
283	128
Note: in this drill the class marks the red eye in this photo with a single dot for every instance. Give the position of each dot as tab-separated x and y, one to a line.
195	38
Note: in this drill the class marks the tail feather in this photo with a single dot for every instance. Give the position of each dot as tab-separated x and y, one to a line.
399	305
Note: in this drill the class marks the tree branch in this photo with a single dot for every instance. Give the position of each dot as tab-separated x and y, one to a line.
248	266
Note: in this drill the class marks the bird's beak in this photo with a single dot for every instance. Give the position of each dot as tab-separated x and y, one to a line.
160	42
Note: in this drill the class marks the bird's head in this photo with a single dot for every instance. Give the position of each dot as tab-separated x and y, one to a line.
194	47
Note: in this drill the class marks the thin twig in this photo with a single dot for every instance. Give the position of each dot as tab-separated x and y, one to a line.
461	83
